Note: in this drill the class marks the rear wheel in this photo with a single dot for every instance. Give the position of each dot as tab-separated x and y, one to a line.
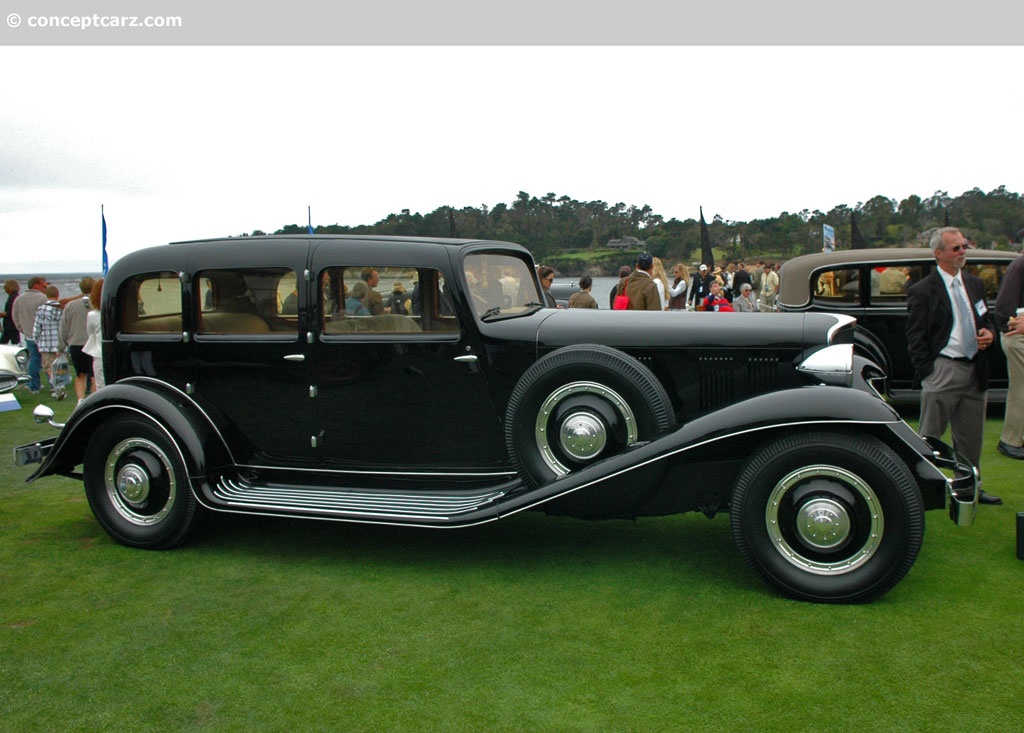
832	518
137	486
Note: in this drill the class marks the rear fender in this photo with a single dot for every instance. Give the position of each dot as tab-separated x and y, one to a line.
200	443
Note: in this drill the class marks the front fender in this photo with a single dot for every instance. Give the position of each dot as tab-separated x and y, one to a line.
198	439
739	427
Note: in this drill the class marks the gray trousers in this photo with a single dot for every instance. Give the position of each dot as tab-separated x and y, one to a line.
950	398
1013	427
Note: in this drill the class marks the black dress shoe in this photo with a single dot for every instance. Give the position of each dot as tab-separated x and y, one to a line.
1008	450
984	498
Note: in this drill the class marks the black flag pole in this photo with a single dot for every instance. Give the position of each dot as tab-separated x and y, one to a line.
707	256
856	238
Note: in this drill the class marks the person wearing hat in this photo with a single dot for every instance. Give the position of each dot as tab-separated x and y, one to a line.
700	287
399	303
640	288
744	302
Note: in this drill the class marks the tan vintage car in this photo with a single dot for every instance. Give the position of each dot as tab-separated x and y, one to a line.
871	285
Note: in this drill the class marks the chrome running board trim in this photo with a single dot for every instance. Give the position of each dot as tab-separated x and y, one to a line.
239	495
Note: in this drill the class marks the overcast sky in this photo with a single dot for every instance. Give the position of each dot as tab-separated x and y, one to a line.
190	142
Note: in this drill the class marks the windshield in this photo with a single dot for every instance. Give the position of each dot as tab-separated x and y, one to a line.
500	284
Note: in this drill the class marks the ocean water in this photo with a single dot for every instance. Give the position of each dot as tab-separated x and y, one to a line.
66	282
601	289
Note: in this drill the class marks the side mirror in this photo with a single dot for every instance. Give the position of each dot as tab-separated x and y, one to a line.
43	413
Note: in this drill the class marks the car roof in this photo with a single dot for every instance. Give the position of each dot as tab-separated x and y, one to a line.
795	274
451	241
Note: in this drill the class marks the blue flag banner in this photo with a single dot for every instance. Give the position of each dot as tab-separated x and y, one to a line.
309	220
103	221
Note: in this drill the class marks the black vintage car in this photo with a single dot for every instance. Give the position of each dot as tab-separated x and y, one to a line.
421	382
871	285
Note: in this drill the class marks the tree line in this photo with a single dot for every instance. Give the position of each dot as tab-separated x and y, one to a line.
574	235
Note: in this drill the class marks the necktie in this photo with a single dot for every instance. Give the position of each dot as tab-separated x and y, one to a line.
967	336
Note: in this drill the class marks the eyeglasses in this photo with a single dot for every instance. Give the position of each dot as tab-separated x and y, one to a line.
957	248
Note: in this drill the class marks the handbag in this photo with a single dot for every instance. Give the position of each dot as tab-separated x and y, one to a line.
621	302
61	371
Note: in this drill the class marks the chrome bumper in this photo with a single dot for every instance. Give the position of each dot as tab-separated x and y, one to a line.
32	452
961	482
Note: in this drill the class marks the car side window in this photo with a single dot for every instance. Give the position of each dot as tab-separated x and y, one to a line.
838	286
991	275
150	303
246	301
371	299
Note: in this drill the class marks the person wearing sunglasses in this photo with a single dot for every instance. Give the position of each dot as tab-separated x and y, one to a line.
949	333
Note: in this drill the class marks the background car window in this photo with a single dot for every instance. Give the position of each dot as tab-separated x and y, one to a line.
150	303
889	284
368	299
241	301
838	286
991	275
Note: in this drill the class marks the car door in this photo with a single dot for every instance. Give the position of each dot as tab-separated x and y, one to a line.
248	354
401	391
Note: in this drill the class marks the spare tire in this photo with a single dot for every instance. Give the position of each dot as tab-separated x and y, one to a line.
578	404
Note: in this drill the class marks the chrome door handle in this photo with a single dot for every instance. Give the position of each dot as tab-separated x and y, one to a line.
467	359
295	357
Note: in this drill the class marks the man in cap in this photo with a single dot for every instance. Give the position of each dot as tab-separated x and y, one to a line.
640	288
701	287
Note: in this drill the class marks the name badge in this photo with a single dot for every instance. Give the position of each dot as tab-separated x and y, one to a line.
981	307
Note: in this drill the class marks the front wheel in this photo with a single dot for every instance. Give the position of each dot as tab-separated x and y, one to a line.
829	518
137	486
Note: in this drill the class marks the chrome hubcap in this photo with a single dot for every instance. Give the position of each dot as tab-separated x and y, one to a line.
133	484
823	523
583	436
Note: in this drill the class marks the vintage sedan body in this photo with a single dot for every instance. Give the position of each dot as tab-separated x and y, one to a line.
421	382
871	285
13	366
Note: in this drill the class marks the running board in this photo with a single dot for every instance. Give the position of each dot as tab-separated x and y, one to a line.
435	507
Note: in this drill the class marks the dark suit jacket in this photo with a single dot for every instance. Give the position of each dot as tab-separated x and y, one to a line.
930	322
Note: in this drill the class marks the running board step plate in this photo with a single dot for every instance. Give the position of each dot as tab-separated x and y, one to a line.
239	495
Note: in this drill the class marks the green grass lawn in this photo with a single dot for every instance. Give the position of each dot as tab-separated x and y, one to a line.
533	623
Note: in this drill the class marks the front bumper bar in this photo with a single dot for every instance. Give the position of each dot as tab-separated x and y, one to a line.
32	452
961	482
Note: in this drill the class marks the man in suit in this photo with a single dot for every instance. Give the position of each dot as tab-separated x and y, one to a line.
949	332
